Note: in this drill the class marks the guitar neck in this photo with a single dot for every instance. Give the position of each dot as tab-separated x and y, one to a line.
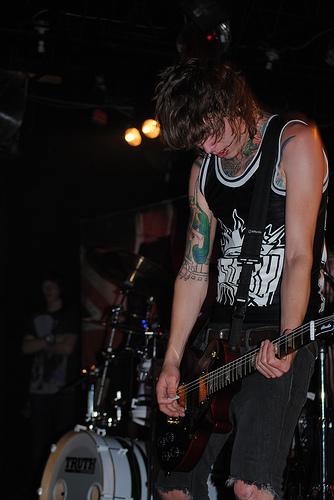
221	377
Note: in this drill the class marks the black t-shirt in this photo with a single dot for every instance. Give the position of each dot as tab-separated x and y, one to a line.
50	372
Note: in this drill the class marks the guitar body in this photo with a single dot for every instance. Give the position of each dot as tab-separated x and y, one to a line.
181	441
206	399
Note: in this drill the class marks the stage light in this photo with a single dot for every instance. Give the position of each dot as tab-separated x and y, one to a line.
151	128
133	137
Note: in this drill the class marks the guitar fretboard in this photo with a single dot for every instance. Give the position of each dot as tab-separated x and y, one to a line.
233	371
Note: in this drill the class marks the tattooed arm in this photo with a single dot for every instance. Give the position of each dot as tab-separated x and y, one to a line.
190	290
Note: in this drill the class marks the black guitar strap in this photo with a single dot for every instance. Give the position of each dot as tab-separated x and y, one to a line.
251	247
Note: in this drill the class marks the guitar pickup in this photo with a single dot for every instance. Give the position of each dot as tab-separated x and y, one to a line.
173	420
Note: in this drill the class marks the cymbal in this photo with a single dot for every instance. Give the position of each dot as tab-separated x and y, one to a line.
130	271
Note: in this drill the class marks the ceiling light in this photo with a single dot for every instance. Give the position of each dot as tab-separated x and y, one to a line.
151	128
133	137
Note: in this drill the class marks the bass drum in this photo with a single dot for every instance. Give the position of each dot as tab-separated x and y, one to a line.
86	466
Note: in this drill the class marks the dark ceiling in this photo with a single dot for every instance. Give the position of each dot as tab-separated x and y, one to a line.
111	51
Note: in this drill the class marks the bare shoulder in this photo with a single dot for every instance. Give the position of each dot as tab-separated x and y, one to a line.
299	133
302	152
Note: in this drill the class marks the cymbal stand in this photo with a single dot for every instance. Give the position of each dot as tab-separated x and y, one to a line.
108	354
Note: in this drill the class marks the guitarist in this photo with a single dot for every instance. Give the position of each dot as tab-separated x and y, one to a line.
208	106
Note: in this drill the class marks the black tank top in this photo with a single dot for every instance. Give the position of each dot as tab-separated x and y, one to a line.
229	200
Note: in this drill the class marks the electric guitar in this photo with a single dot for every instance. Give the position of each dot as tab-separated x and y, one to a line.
181	441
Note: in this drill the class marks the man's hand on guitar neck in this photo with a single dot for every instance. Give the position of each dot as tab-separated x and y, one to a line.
269	364
166	391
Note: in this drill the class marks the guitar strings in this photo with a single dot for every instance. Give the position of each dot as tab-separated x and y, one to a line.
218	372
248	357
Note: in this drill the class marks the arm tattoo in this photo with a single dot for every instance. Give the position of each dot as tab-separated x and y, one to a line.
195	261
190	272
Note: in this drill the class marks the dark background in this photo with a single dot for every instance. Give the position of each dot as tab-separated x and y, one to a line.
62	162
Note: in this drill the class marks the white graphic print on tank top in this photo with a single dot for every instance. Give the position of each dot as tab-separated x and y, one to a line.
266	274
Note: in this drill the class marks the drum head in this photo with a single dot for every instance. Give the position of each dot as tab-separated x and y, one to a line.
84	465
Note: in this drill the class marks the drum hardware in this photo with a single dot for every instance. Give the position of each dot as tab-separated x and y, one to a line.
102	421
140	328
141	404
92	417
90	409
140	280
118	406
323	488
151	462
117	390
310	449
108	353
99	379
323	424
137	276
113	319
316	446
130	271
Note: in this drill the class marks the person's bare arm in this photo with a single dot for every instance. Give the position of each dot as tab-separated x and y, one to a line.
303	170
190	290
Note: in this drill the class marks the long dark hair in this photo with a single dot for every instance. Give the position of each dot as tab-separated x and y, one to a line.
194	96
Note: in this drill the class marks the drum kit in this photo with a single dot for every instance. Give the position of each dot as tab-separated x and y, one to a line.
109	455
